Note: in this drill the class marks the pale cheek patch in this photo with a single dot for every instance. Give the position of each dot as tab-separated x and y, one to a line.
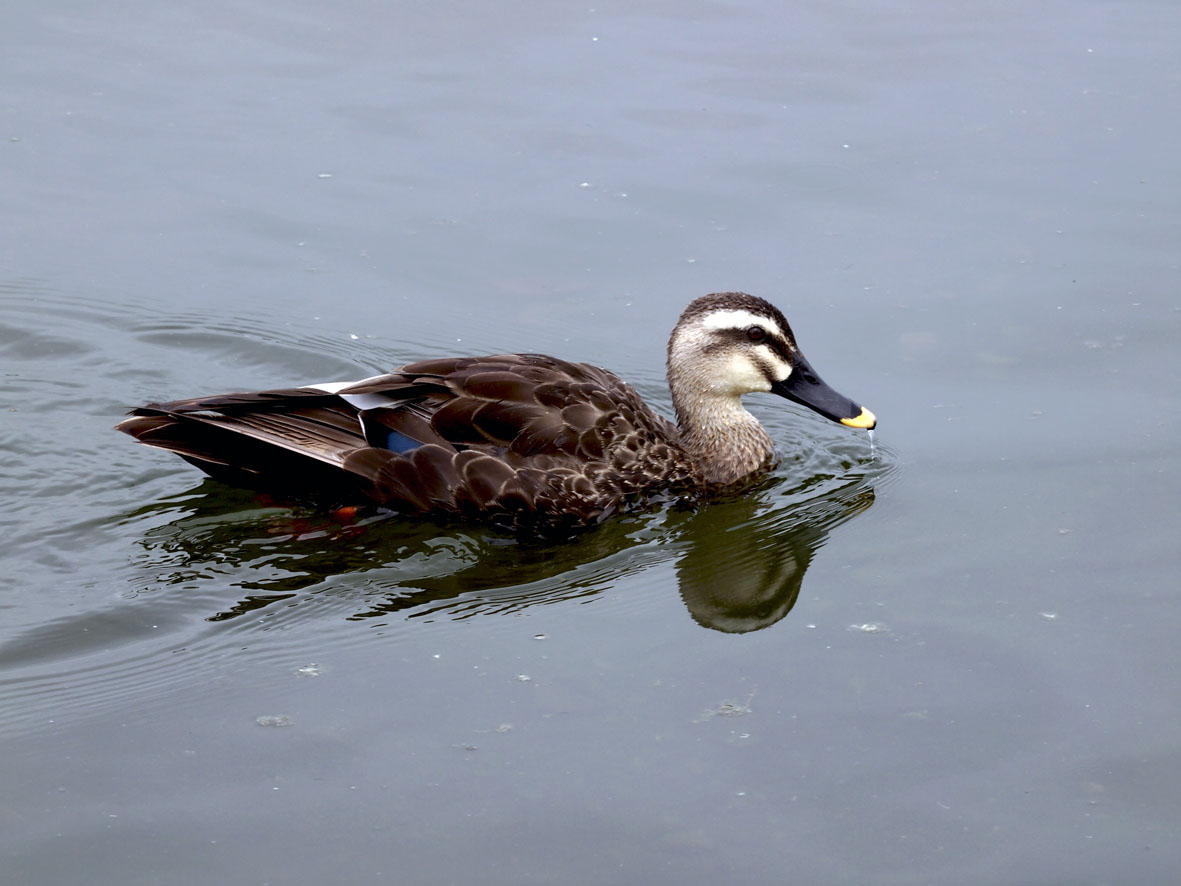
778	370
742	376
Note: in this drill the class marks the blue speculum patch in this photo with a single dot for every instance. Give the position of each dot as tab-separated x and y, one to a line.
396	441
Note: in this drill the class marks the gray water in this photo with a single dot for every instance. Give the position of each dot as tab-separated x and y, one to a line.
950	661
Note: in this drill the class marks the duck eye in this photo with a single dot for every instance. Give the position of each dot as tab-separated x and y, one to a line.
756	333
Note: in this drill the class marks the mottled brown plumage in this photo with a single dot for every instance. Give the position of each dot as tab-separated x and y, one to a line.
523	441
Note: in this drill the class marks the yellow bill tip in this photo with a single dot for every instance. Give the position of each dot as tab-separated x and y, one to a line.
865	420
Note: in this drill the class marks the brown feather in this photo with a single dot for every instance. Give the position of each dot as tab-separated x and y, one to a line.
503	422
579	416
500	386
538	435
552	394
485	477
455	421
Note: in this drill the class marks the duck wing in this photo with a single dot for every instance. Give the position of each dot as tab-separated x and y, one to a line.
511	435
528	439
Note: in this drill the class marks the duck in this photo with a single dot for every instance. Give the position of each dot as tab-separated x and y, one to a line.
523	442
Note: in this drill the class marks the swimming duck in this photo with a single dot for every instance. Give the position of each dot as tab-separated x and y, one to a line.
523	441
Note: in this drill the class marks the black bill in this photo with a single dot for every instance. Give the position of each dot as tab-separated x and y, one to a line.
805	387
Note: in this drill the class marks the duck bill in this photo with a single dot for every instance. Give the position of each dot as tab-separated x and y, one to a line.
805	387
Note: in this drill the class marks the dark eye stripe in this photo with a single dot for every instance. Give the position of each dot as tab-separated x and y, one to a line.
779	348
777	345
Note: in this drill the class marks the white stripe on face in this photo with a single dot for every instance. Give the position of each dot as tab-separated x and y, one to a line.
739	320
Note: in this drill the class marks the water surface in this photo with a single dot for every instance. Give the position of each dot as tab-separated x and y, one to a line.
951	661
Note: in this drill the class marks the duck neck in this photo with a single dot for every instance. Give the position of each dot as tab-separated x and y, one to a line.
725	442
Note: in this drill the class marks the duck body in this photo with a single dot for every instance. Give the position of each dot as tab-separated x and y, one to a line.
525	442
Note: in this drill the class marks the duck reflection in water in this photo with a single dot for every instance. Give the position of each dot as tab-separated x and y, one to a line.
739	562
755	578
